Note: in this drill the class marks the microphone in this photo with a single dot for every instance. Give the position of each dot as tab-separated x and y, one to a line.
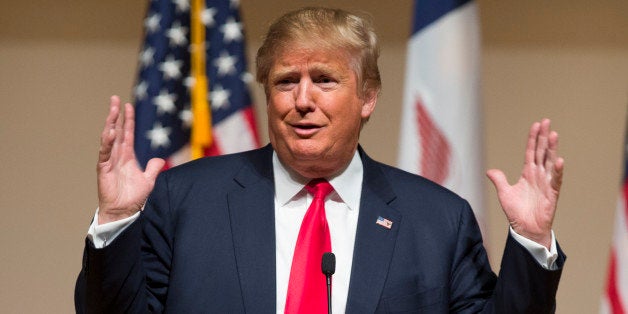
328	266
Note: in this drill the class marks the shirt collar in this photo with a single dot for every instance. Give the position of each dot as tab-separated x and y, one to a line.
347	184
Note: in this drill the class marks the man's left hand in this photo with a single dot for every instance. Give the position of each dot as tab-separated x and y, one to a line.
530	204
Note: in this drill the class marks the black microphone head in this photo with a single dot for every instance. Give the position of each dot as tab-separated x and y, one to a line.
328	265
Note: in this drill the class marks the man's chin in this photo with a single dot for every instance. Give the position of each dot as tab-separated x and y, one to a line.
306	149
307	155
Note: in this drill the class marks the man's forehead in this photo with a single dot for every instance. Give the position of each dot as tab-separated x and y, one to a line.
312	59
310	65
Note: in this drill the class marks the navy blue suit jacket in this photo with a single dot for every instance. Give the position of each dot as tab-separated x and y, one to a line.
206	244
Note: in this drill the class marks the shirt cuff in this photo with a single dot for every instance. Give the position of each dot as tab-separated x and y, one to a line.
547	258
102	235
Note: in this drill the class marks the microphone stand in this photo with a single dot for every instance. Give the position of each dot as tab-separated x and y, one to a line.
328	294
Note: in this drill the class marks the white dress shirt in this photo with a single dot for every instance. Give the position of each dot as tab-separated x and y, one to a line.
341	208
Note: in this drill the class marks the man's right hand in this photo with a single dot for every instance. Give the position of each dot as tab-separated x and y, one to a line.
122	185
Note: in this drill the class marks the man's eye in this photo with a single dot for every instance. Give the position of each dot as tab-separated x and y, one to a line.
325	80
285	81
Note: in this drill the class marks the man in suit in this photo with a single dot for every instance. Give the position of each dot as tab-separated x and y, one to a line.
226	234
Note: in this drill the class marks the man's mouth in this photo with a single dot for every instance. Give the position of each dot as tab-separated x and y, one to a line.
305	129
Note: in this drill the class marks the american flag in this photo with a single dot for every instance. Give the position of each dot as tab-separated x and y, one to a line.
384	222
615	298
192	82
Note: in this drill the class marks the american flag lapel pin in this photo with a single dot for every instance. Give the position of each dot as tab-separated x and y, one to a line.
384	222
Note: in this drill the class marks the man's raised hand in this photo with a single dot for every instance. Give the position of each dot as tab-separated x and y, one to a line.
122	185
530	204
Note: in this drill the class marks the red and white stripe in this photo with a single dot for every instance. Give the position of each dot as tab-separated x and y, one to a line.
435	148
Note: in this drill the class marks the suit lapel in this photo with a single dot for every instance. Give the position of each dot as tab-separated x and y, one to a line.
252	214
374	243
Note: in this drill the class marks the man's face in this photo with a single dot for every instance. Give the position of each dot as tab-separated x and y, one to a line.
314	111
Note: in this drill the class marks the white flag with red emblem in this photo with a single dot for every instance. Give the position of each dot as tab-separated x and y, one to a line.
615	296
441	137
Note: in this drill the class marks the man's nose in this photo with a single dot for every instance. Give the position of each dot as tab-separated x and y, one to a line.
304	101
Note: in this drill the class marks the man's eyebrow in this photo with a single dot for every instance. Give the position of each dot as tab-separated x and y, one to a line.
283	72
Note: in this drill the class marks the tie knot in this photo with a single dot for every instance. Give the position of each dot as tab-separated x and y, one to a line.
320	188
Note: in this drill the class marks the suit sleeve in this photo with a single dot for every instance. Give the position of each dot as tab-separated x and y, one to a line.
523	285
130	275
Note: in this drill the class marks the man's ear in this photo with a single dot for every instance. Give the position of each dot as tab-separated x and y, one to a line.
370	100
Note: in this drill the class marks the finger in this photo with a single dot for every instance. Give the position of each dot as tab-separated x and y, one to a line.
498	178
557	174
129	125
114	111
106	144
541	143
119	123
531	146
108	134
153	168
552	151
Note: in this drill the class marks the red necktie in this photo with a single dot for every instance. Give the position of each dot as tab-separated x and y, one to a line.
307	290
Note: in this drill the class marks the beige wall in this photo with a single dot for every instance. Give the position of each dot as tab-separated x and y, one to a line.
60	60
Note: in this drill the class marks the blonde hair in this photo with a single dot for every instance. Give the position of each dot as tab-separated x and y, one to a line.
327	28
